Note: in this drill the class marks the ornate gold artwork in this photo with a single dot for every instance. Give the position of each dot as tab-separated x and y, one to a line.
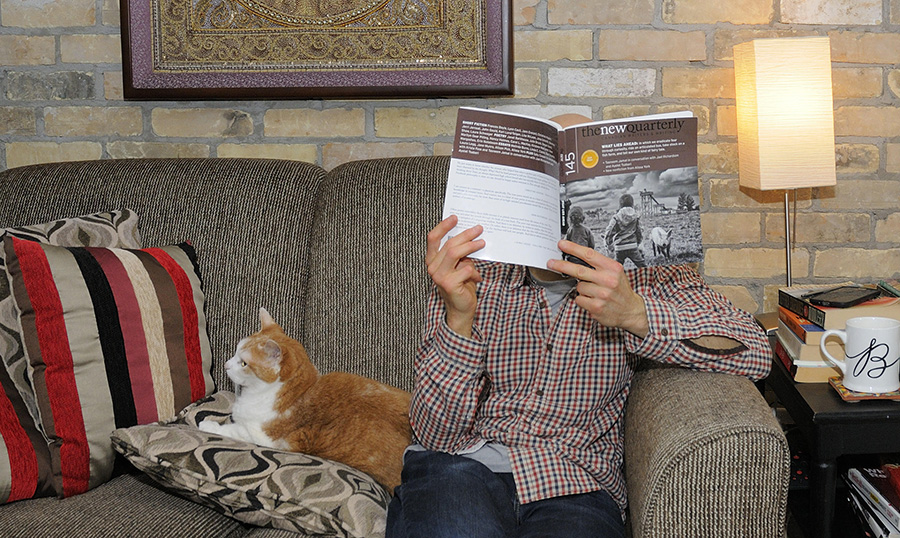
315	48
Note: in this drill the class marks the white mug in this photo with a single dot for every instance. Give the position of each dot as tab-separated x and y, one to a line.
872	354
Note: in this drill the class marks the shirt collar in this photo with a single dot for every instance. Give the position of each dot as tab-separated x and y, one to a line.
518	276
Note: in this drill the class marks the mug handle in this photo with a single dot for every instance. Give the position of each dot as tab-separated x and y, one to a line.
843	336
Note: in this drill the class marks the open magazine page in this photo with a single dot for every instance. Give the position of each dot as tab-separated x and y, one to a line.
504	176
629	189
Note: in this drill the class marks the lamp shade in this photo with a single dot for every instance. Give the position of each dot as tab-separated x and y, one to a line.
785	113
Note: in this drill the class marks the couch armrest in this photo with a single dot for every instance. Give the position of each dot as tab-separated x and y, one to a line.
704	456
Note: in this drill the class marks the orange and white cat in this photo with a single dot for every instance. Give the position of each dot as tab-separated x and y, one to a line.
282	402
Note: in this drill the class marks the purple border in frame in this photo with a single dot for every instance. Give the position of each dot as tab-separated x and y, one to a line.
140	82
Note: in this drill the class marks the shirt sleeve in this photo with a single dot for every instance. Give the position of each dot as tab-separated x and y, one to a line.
681	308
610	231
450	379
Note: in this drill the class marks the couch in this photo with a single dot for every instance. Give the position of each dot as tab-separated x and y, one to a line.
336	257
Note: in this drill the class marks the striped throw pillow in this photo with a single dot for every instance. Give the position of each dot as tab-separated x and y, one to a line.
24	458
114	338
117	229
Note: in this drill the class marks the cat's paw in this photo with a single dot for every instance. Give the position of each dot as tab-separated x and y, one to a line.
210	426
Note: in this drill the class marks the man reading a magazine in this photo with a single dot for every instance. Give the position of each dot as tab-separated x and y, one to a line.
521	382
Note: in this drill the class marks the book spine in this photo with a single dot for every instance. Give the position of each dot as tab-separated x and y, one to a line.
785	359
791	343
808	331
866	514
801	308
873	494
803	374
889	288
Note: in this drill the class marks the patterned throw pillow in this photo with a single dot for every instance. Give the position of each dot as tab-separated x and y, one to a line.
114	338
115	229
25	467
256	485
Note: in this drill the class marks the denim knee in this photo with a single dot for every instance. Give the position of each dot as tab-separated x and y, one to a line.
448	496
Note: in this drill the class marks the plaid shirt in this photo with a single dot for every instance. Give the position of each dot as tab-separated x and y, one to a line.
553	390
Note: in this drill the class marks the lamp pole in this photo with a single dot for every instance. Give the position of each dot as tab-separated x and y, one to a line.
787	236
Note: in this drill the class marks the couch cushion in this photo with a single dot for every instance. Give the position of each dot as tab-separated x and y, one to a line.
260	486
114	337
367	283
129	505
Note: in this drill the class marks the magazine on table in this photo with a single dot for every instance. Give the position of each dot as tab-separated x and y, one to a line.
627	188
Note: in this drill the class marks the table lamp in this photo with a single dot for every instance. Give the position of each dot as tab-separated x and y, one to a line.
785	118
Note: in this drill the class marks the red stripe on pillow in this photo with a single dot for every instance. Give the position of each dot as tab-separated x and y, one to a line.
57	359
189	315
23	462
132	326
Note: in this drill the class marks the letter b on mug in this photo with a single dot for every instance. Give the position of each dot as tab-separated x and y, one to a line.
872	354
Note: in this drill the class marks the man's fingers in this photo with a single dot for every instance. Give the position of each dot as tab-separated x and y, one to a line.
591	256
464	272
437	234
596	260
467	238
454	251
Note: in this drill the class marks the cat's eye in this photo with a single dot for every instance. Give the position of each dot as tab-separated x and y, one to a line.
243	364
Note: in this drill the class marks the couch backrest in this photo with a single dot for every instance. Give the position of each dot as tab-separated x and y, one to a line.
338	260
249	219
367	280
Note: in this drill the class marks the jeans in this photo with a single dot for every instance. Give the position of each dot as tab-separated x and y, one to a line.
448	496
634	254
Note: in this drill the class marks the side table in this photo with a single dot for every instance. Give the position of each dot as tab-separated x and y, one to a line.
833	428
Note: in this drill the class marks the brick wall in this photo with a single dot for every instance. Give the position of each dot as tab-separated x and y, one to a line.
61	99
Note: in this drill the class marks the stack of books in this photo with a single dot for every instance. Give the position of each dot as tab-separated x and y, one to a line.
875	500
802	324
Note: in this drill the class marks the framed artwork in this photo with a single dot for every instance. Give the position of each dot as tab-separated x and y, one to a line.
283	49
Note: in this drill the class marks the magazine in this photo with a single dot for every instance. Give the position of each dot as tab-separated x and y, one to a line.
627	188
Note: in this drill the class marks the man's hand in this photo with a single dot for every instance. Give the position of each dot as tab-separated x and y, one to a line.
454	273
603	289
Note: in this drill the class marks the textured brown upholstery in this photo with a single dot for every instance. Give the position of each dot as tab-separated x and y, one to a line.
365	299
129	505
337	259
696	440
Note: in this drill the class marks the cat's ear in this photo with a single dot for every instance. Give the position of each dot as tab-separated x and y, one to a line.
265	319
273	352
